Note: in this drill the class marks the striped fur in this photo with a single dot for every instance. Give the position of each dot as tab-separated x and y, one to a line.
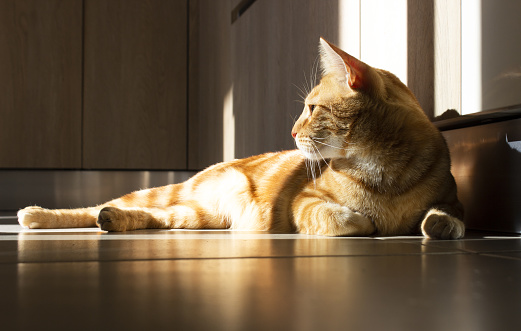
369	162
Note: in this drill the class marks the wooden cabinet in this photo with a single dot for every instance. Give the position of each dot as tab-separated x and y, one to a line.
97	84
135	92
211	127
93	84
40	83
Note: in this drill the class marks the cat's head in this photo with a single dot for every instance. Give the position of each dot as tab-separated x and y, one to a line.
350	106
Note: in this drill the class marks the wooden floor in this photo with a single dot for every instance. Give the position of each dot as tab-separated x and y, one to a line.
84	279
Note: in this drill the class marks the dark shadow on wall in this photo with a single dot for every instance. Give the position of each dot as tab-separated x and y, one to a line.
420	52
274	49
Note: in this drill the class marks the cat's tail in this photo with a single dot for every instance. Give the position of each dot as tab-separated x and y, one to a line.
40	218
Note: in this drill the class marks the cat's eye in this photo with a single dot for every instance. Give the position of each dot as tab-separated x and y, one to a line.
311	108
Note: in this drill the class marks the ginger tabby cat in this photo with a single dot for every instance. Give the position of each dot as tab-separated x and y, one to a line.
369	162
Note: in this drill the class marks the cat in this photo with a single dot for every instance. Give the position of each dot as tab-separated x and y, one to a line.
369	163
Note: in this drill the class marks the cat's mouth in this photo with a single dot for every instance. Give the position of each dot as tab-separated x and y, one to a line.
318	148
309	147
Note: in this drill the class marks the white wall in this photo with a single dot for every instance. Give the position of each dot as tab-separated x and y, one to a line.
491	54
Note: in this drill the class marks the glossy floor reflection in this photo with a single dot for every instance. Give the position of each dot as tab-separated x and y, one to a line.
223	280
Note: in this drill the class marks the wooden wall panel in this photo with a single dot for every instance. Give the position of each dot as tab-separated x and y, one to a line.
135	92
434	54
210	83
274	48
447	55
420	52
40	83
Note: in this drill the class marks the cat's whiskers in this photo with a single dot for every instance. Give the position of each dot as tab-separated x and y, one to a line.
306	162
302	92
317	161
294	119
314	173
314	164
310	165
307	84
317	67
314	73
308	171
322	157
340	148
322	143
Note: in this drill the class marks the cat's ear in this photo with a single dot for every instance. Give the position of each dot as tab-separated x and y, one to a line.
346	67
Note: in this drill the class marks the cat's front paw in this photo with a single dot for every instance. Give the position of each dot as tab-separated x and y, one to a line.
439	225
35	217
342	221
112	219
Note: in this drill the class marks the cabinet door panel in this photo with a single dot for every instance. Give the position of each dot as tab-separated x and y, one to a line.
210	93
135	84
40	83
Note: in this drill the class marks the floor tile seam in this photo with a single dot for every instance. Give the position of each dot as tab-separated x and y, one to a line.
474	251
498	251
497	255
433	244
456	250
436	241
288	257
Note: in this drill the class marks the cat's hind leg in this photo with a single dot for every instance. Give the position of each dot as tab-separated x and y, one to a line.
40	218
438	224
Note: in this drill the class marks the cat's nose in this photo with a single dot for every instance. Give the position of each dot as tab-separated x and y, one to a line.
293	134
